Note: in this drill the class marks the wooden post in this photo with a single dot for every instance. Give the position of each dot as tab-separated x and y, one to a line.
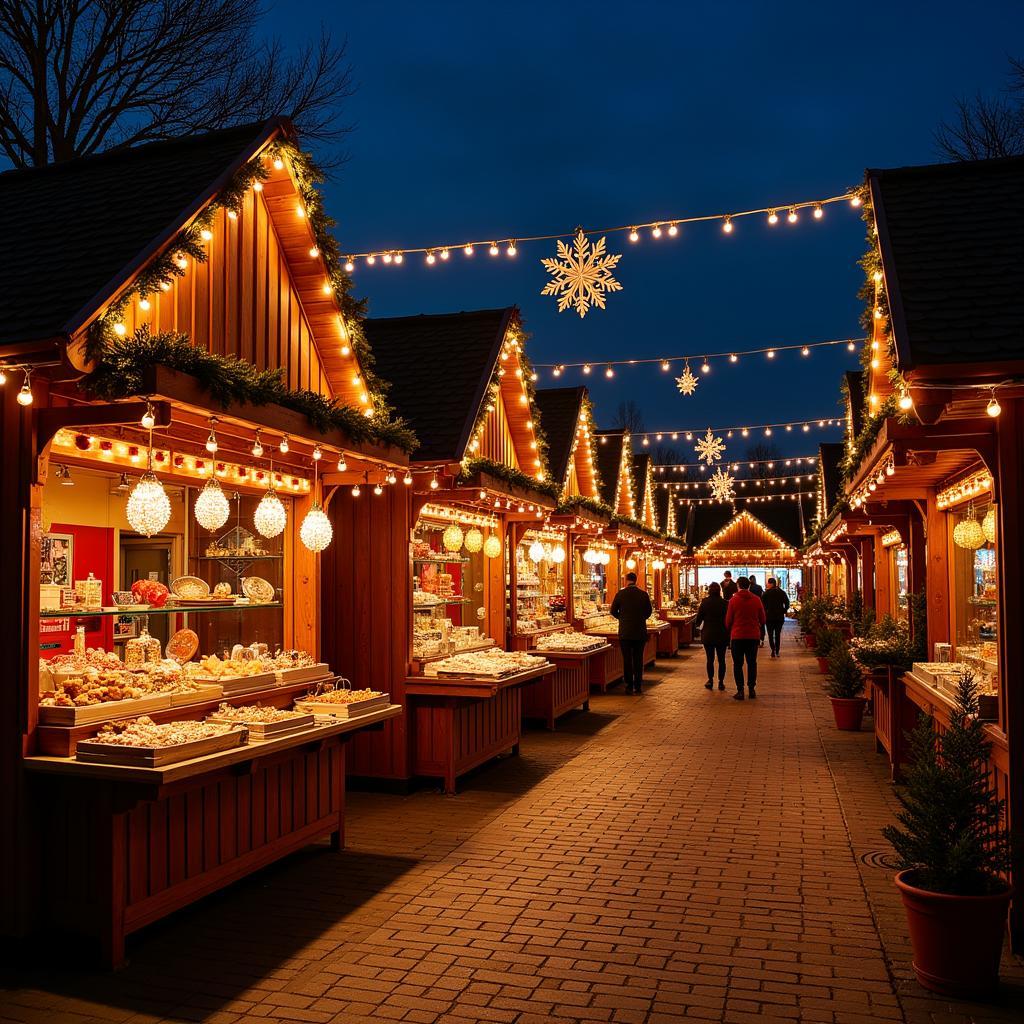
1010	553
937	570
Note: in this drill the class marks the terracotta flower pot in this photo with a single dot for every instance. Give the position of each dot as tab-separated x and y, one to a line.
811	640
957	940
848	712
823	666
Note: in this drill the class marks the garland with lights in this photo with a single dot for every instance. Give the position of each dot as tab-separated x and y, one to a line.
511	476
576	502
637	525
120	373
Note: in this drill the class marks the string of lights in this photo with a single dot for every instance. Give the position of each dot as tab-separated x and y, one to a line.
664	226
797	460
25	392
768	430
749	498
756	481
666	362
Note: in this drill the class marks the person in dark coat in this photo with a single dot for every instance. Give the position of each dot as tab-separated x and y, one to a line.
713	634
728	585
776	604
632	607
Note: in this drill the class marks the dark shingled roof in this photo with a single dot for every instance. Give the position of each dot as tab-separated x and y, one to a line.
609	458
559	410
952	244
72	230
439	366
829	457
855	389
782	517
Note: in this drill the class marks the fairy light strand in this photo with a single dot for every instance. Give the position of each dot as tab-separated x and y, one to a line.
743	429
495	244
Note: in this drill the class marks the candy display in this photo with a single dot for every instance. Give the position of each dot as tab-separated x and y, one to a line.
214	667
492	662
144	732
150	592
98	687
569	642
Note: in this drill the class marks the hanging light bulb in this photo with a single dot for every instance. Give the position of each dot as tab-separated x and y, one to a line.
283	446
407	479
492	546
25	394
148	421
905	401
634	235
212	507
257	446
773	217
148	509
355	491
558	552
988	524
391	478
705	367
605	557
631	563
317	454
818	211
791	216
609	371
433	482
270	517
316	531
378	490
3	376
536	551
211	441
993	408
473	541
727	225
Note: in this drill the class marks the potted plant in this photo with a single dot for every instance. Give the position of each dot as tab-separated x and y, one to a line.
806	619
825	642
954	849
846	688
886	645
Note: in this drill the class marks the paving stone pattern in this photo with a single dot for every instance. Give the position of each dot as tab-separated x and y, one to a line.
669	857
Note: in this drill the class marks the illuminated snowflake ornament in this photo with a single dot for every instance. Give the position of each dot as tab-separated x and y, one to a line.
687	384
721	486
709	448
582	275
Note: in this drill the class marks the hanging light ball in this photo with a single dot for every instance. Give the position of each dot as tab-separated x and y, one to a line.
631	564
148	509
474	541
212	506
536	551
270	517
968	533
988	525
558	554
492	546
452	538
604	557
316	530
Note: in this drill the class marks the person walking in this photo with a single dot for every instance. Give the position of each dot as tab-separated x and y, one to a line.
744	619
776	604
632	607
728	584
758	591
713	634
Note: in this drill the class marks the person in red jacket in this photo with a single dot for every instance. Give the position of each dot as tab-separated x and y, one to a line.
745	620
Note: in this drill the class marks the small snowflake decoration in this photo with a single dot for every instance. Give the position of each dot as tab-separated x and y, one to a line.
582	275
721	486
687	384
709	448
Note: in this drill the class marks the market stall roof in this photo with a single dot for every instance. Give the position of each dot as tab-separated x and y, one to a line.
562	412
615	465
643	477
665	505
82	223
784	519
952	243
439	367
830	483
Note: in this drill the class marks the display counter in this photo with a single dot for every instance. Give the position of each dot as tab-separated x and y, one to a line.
551	696
125	846
684	626
666	638
460	722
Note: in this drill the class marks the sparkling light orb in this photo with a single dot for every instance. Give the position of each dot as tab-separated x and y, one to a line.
316	530
536	551
968	533
558	554
474	541
988	525
212	506
452	538
148	509
270	517
492	546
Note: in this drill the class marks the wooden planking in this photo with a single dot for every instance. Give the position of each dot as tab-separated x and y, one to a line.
553	695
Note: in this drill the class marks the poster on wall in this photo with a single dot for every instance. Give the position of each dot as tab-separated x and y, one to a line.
57	559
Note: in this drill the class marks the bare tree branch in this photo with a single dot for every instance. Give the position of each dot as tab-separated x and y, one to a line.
80	76
628	417
985	127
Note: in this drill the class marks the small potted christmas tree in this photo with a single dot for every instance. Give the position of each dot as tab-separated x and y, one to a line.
826	641
954	849
846	688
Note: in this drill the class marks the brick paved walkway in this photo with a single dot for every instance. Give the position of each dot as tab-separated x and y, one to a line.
674	856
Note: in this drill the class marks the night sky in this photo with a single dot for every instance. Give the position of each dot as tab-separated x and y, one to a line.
480	120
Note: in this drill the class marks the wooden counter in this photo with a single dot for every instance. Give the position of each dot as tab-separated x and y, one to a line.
123	847
684	626
460	722
551	696
667	640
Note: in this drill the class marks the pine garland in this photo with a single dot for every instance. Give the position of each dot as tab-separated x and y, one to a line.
120	373
509	475
578	501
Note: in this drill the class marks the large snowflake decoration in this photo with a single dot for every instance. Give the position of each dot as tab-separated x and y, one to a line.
721	486
687	384
582	275
709	448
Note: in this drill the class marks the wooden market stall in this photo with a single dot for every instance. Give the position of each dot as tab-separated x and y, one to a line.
128	367
479	486
673	603
932	478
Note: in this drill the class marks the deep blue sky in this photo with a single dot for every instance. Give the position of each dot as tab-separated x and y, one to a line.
479	119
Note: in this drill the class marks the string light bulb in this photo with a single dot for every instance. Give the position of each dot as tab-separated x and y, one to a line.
818	211
433	482
905	401
511	250
493	250
656	231
634	235
3	376
727	225
791	216
609	372
349	266
773	217
257	445
317	454
378	490
705	367
468	250
148	421
993	408
211	441
342	464
673	230
407	479
283	446
25	396
144	304
445	254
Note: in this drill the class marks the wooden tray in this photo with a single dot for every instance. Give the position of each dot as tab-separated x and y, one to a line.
231	686
261	731
155	757
353	710
303	673
208	691
107	712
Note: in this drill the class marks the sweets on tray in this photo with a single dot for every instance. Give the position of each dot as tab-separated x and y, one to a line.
218	668
493	661
99	687
342	696
144	732
93	657
568	642
289	659
254	714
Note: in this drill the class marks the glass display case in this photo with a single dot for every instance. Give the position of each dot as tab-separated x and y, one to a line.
589	586
540	599
900	575
974	594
